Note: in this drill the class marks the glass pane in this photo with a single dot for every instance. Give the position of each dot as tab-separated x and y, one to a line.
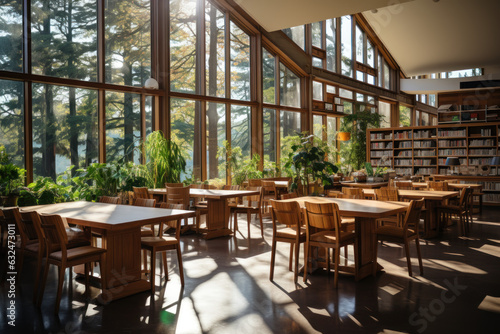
65	129
215	51
318	126
183	69
404	116
360	97
387	76
432	100
216	134
185	131
346	42
370	79
330	89
331	37
360	76
424	119
370	54
123	127
331	131
384	109
11	35
289	133
64	38
297	35
240	64
289	87
345	93
241	129
317	62
417	117
317	91
148	108
128	42
268	77
317	34
380	78
12	120
347	107
270	135
360	47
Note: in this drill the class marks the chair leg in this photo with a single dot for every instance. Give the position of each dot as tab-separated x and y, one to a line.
261	225
296	269
152	274
408	260
421	267
59	288
336	267
290	261
346	254
37	277
306	260
44	281
165	264
87	269
179	260
249	219
273	256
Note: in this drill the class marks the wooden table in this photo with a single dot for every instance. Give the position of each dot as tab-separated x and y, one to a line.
432	199
364	185
120	226
218	209
366	213
478	190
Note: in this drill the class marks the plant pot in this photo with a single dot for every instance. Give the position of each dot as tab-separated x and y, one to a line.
11	200
374	179
344	136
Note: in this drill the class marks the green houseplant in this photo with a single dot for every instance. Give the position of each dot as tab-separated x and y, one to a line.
353	151
310	165
11	182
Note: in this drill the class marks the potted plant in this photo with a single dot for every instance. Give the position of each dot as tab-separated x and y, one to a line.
309	162
11	182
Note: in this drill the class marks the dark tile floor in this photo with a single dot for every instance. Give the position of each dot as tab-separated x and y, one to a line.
228	291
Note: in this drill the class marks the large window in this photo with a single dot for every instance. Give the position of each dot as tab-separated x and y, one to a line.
331	45
215	51
64	129
270	132
404	115
216	134
11	35
240	64
128	42
289	87
346	45
269	77
289	131
384	109
296	34
12	120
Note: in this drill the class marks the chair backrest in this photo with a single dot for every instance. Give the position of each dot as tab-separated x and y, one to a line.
54	232
353	193
231	187
141	192
289	195
32	225
174	185
196	186
254	200
405	185
255	182
412	216
147	202
269	188
110	200
12	216
178	195
172	223
386	194
465	201
437	185
287	213
324	216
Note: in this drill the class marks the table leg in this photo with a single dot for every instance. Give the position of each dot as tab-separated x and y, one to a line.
217	218
431	228
367	243
122	264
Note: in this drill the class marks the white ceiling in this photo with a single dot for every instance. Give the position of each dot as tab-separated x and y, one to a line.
423	36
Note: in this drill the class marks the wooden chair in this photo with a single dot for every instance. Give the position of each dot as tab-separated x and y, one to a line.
58	253
387	194
180	195
255	182
437	185
353	193
323	229
162	243
110	200
403	185
269	193
249	205
404	232
462	209
174	185
287	213
289	195
140	192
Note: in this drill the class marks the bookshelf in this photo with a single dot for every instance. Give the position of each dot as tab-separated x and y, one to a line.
423	151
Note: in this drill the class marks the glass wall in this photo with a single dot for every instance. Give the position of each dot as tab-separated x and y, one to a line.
404	115
12	120
11	35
